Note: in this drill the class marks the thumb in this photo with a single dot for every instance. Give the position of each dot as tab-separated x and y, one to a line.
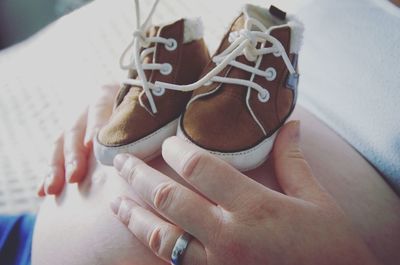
292	170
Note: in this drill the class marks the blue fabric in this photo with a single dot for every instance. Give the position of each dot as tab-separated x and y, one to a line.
16	239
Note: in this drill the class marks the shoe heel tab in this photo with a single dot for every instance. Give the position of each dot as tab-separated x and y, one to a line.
277	13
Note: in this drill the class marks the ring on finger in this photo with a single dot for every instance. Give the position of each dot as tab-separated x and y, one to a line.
180	247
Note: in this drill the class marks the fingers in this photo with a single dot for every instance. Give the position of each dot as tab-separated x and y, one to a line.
292	170
54	181
158	235
208	174
99	112
75	152
170	199
68	160
70	155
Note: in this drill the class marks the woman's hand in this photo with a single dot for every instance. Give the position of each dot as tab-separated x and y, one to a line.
69	160
235	220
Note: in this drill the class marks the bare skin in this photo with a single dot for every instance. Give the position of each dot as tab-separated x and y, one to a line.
96	237
396	2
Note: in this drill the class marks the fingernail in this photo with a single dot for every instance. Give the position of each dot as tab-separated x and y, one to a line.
120	160
70	169
39	188
47	183
90	135
295	132
115	204
88	138
124	212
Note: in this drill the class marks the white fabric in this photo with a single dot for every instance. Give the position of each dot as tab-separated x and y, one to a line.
350	75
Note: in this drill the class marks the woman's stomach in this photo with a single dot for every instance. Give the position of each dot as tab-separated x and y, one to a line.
78	227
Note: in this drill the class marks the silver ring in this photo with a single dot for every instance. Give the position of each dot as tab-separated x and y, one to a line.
180	247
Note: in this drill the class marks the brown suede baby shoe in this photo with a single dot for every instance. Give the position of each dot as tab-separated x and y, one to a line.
144	114
248	90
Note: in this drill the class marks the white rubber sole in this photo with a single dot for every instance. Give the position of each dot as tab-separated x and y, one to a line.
244	160
146	148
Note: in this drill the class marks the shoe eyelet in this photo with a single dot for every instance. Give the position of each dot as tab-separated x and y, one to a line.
263	97
277	53
270	74
158	91
166	69
171	45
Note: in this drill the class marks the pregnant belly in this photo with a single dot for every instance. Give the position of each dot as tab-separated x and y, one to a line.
95	237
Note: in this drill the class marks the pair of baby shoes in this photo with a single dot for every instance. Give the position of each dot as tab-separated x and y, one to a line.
231	104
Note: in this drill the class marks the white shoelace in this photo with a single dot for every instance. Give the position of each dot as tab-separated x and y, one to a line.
243	42
138	42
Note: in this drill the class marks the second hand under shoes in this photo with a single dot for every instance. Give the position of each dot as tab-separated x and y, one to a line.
232	105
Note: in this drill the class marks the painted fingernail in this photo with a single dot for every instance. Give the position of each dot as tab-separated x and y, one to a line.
115	204
47	182
39	188
295	132
90	135
88	138
120	160
70	169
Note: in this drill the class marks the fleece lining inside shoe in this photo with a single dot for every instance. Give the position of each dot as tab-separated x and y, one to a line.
193	30
268	20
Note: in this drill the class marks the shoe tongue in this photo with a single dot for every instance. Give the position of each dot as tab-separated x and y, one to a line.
262	15
135	91
173	30
268	18
234	90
